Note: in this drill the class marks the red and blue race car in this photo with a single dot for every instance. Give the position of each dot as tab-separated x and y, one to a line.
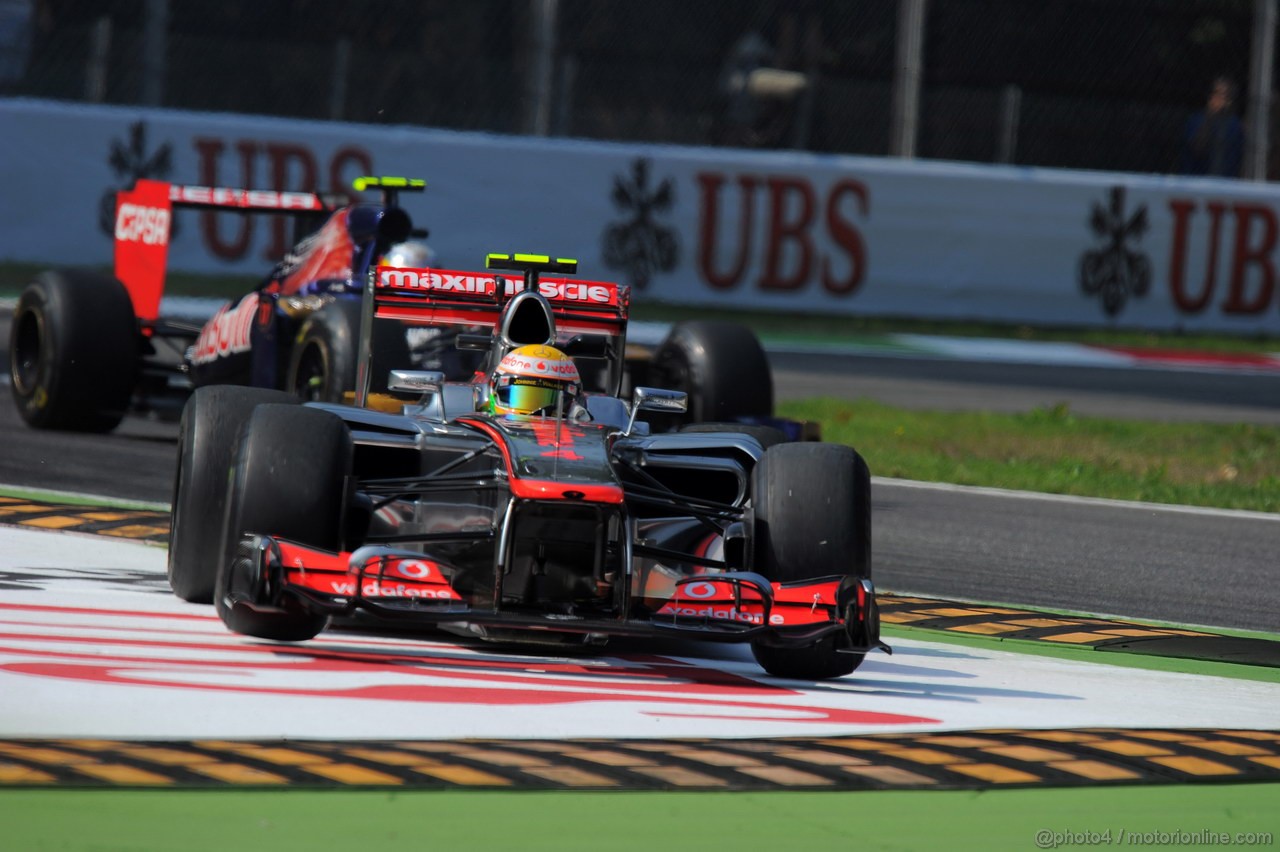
86	348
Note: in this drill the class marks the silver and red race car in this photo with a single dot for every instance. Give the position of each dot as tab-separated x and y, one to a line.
423	502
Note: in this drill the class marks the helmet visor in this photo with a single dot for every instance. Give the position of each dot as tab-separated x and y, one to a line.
528	396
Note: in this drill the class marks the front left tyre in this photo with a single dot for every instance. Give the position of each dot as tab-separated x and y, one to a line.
288	482
74	351
208	438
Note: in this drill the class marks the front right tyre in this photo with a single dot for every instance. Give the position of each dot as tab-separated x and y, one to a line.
811	506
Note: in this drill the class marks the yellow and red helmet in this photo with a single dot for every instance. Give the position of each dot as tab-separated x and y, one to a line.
536	379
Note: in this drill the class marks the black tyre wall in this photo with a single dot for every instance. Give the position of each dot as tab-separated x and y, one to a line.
288	482
208	437
74	350
722	367
768	436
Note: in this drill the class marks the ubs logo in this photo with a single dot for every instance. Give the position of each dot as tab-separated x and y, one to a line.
640	246
130	162
1116	269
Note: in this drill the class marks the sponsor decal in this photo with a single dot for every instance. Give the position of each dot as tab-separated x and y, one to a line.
473	284
414	569
810	234
282	163
437	281
1116	270
376	589
130	162
639	245
700	589
724	613
138	224
1245	235
241	198
227	332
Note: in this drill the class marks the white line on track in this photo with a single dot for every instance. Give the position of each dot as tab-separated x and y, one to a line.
1071	498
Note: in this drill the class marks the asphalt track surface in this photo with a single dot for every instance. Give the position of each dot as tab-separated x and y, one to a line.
1139	561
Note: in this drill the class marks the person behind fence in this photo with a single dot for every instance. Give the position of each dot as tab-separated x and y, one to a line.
1213	143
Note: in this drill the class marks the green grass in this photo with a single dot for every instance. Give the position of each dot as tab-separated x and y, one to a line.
829	325
1233	466
187	821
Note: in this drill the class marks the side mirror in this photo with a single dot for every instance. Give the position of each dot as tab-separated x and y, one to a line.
416	381
656	399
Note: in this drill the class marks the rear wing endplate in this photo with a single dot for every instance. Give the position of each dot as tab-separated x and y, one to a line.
144	219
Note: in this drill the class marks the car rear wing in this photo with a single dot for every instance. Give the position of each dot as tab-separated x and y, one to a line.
458	298
144	218
462	299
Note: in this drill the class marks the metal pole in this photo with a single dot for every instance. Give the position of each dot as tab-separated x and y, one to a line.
905	117
338	87
1258	119
95	76
1010	110
542	65
155	45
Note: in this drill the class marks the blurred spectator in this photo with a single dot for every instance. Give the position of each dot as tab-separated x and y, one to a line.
1214	140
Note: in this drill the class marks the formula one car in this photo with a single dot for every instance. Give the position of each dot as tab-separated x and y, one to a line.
87	348
520	505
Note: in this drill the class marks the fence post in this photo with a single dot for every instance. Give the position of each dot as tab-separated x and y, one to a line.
1261	60
338	86
155	45
541	66
1010	111
95	67
905	117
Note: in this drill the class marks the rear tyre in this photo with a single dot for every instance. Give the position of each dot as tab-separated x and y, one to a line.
812	518
722	367
208	437
768	436
74	349
322	363
288	482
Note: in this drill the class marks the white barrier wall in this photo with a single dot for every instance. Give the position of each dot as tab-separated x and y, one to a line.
764	230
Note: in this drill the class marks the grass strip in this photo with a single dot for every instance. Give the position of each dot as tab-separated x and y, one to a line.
1228	466
1079	654
372	821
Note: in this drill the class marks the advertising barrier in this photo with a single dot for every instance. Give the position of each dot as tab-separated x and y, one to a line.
718	227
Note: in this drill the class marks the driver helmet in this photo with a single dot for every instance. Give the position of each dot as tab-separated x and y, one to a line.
536	379
410	254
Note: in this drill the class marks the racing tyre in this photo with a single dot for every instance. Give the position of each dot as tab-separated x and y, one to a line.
722	367
74	351
768	436
208	437
812	518
288	482
322	363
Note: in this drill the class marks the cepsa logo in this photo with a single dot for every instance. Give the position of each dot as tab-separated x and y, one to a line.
138	224
226	332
